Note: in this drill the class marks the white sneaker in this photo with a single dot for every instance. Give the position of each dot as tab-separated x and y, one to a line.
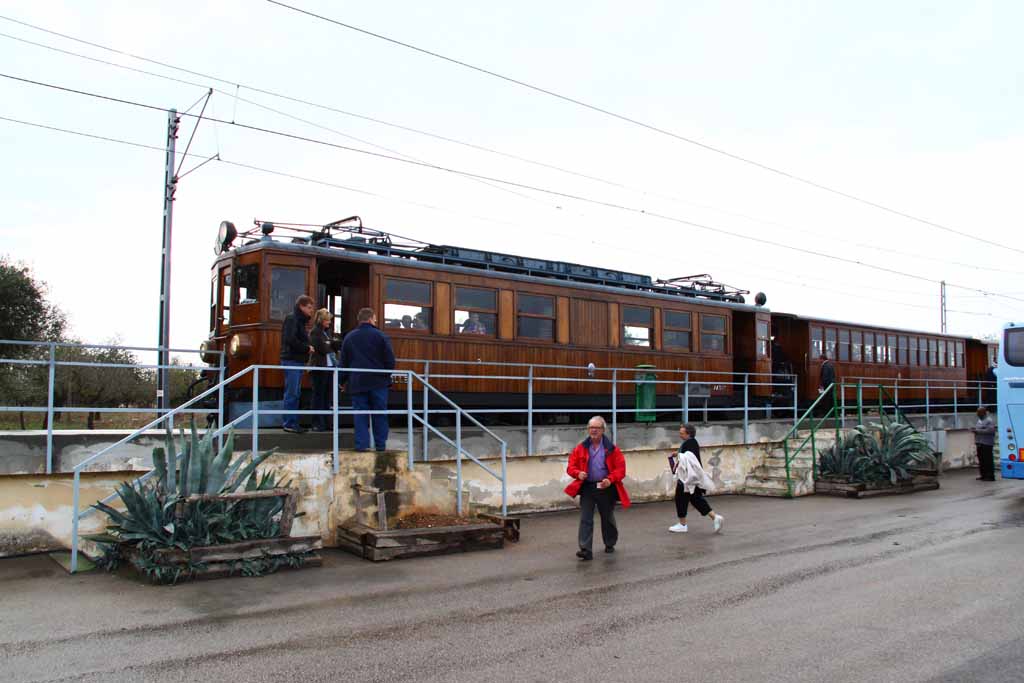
678	528
718	522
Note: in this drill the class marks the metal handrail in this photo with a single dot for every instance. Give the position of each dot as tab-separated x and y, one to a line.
789	457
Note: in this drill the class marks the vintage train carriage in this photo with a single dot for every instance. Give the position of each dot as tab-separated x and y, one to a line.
450	304
878	355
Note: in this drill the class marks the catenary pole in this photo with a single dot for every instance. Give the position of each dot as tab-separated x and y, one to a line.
170	186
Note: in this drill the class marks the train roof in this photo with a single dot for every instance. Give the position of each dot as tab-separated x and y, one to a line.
847	323
375	247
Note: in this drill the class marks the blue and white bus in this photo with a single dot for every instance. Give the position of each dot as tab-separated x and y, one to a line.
1010	400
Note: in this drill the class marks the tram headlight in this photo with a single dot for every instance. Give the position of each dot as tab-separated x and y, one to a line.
240	346
208	352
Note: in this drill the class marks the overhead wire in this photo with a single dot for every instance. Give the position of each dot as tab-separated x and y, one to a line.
663	131
512	183
612	183
260	169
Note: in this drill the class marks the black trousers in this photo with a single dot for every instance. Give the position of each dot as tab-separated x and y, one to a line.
322	398
985	465
604	501
684	499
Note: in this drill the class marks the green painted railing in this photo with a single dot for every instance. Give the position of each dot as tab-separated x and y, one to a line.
791	453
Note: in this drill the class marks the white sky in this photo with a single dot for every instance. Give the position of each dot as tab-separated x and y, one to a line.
915	105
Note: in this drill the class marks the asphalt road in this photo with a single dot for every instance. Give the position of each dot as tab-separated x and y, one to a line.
925	587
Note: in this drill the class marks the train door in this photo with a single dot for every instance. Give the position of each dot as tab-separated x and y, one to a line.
753	350
343	287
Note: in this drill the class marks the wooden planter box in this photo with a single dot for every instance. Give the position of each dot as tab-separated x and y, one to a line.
373	544
847	489
227	559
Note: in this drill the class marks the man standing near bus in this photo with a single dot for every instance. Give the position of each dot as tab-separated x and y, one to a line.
295	350
366	347
984	440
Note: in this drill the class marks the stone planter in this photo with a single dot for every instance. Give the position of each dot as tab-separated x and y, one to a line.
395	544
229	559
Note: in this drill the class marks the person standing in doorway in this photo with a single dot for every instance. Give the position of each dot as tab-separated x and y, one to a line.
692	482
322	357
984	440
295	350
597	468
368	348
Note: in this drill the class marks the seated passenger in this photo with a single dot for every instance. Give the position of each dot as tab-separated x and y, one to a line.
406	322
419	322
473	325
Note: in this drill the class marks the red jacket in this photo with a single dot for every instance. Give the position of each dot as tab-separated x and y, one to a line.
613	460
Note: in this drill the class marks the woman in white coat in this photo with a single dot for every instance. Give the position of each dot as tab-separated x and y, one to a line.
691	482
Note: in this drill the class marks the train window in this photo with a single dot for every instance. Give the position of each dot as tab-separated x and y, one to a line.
869	347
286	285
678	332
891	349
407	291
960	354
536	316
712	333
1013	347
225	298
913	351
844	345
637	326
858	339
942	353
213	305
815	343
830	342
903	351
763	339
879	348
933	352
247	279
476	311
407	305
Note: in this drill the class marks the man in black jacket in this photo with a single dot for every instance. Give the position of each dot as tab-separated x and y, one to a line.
369	348
826	379
295	350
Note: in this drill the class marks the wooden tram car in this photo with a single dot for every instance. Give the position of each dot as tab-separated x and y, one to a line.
445	303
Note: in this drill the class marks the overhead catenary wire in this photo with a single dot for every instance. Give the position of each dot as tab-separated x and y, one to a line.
237	98
526	186
218	158
662	131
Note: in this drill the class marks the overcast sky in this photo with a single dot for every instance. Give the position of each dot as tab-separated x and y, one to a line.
918	106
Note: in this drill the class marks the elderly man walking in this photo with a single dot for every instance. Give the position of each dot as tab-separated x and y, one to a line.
597	468
369	348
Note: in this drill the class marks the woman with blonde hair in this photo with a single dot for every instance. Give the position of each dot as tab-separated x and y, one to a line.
321	356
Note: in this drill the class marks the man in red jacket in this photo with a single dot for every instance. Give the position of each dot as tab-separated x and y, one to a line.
597	468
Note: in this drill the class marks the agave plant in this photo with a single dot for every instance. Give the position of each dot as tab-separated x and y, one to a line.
881	451
153	519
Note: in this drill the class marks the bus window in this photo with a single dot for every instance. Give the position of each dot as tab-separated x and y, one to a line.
1013	345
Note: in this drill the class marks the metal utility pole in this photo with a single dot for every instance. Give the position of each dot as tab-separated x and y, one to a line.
942	297
170	187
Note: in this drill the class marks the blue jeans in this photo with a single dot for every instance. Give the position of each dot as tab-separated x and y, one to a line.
375	399
292	391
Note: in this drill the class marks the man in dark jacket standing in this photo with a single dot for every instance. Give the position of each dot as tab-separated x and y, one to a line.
366	347
295	350
826	379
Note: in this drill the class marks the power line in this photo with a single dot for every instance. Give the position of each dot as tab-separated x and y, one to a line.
436	136
512	183
648	126
321	182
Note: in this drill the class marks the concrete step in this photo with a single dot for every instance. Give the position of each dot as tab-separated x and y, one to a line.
775	472
779	461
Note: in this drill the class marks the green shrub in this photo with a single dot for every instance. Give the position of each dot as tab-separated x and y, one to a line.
881	451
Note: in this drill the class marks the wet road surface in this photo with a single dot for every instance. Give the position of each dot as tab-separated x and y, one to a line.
924	587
